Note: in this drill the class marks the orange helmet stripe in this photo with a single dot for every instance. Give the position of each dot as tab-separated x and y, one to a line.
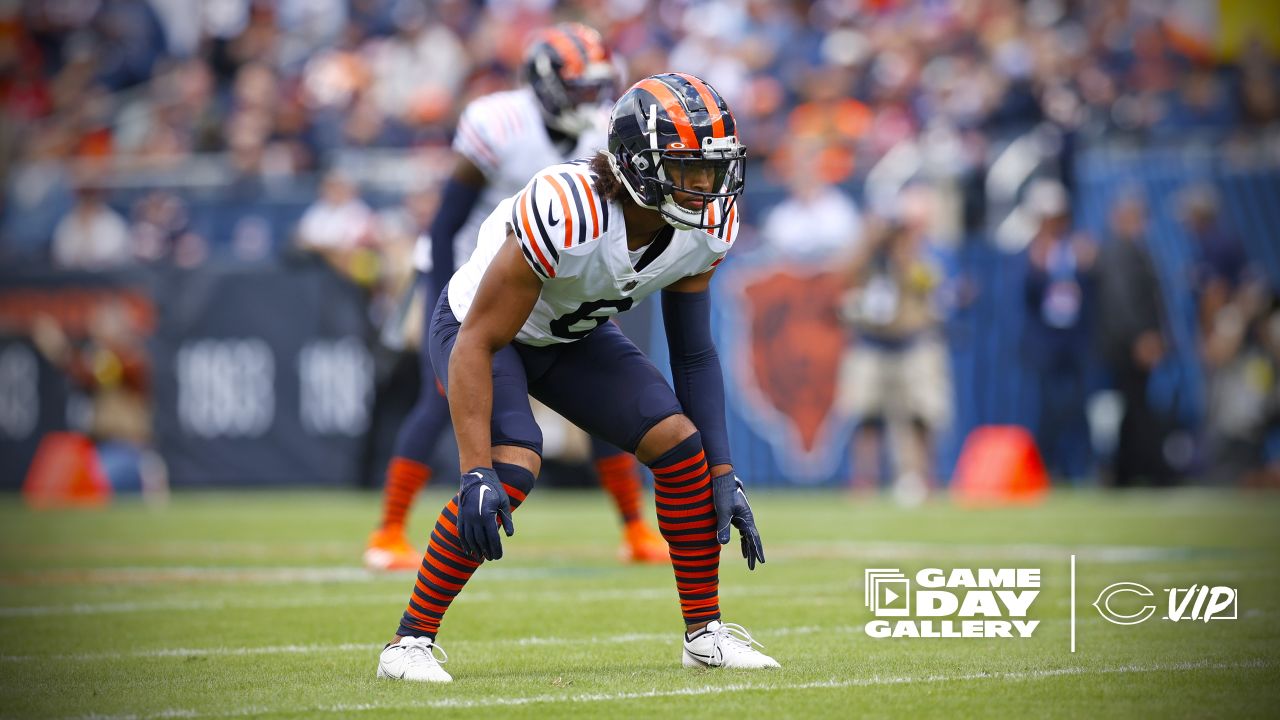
674	109
590	40
713	109
574	63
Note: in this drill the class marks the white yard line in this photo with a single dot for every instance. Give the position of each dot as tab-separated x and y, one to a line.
399	597
402	705
351	647
208	574
950	551
833	549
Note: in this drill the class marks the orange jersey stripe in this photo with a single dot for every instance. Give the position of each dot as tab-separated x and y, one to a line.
595	231
713	110
564	205
531	238
674	109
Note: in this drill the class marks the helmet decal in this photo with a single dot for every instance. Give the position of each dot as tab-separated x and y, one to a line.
673	145
572	74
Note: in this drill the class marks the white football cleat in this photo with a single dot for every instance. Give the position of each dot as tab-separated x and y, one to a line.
413	658
724	645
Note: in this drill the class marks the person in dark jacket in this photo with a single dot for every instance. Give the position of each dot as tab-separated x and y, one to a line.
1133	342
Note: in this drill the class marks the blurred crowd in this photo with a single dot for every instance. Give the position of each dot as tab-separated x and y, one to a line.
831	97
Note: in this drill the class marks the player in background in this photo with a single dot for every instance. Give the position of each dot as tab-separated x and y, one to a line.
528	315
501	141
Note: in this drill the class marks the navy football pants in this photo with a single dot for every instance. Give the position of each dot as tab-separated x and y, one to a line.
601	383
429	418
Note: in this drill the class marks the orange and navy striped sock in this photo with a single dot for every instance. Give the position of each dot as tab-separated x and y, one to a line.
620	476
405	478
687	520
445	567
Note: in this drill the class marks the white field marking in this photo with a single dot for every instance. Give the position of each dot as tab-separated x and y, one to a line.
237	575
833	684
640	593
930	551
826	549
672	637
819	550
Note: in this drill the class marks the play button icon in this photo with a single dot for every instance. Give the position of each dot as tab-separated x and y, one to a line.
890	596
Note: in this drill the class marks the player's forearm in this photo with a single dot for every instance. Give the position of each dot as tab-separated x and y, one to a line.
457	200
471	401
695	370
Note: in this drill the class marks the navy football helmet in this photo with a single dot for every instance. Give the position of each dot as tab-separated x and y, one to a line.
573	75
673	144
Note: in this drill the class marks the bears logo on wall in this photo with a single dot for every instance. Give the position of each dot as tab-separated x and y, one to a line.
789	342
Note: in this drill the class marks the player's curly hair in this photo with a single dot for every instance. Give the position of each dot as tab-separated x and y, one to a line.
606	183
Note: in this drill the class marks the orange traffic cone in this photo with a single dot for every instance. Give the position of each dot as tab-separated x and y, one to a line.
65	472
999	465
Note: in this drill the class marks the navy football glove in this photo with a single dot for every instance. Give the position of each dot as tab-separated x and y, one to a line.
732	508
482	498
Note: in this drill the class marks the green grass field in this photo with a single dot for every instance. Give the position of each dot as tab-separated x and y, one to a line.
254	604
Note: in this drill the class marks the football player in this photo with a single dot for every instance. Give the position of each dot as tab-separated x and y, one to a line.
528	315
501	141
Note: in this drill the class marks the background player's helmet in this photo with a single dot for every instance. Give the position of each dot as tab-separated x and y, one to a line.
666	128
573	74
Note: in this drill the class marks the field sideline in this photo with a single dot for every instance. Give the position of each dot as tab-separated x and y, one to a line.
253	604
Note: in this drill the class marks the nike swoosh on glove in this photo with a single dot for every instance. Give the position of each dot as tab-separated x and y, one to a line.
732	508
481	498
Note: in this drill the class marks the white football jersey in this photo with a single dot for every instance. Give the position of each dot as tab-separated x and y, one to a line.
504	135
576	241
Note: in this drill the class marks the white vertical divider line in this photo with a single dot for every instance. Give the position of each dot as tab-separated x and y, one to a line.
1073	603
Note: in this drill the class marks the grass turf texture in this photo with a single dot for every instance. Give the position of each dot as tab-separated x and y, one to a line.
253	604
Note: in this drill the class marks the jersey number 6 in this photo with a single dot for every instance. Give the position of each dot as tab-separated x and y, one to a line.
563	326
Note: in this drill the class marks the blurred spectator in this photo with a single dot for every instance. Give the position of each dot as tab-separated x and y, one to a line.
339	228
418	71
897	377
111	367
1134	342
1059	295
92	236
816	220
1234	308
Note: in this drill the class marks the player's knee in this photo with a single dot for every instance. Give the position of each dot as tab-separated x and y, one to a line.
668	433
518	456
516	428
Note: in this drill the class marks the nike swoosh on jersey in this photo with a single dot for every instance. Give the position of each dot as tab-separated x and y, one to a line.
551	216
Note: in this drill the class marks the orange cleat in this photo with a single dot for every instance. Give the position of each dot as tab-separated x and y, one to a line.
389	549
642	544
